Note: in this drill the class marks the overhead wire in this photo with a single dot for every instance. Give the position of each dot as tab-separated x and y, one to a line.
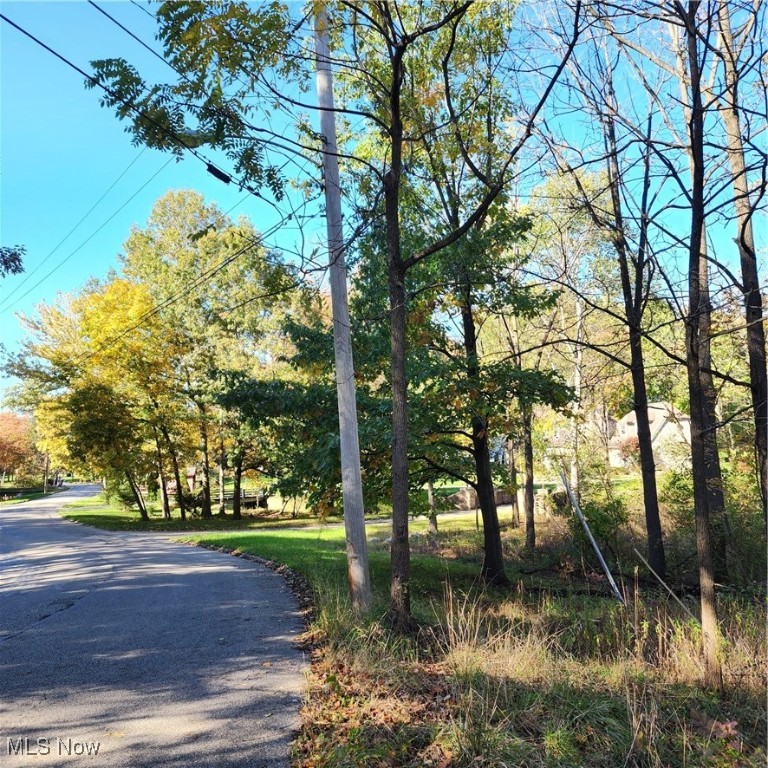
29	274
290	149
210	166
290	154
90	237
183	145
185	290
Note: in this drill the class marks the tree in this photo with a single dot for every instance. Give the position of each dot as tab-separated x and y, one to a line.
743	53
217	287
688	150
629	236
135	352
17	448
11	260
428	45
105	439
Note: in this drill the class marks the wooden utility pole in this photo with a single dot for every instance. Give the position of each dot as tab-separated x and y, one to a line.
351	480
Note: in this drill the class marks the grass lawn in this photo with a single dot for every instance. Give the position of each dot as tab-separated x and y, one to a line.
110	516
533	676
319	555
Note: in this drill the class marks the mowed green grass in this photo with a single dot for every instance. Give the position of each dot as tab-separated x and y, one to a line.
319	554
110	516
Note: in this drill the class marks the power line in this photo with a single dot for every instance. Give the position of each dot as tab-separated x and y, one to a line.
134	36
67	258
71	231
289	148
186	289
212	168
290	153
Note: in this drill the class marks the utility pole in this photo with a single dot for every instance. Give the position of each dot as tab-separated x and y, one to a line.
351	480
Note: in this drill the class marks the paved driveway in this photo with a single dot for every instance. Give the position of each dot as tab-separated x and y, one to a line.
153	653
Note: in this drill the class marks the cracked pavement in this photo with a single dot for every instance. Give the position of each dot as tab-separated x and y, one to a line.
161	654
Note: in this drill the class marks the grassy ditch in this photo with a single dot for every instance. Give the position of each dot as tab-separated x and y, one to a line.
543	675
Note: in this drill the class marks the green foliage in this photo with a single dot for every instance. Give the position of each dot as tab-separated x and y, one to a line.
119	492
11	260
676	494
212	45
605	518
103	437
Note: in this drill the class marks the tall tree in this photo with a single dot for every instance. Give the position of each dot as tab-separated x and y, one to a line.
214	282
743	54
607	207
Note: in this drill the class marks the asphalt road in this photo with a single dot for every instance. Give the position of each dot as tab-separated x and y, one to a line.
148	652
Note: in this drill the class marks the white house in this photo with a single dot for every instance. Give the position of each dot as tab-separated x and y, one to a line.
670	432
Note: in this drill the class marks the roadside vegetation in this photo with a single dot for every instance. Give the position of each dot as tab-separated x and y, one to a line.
13	494
552	672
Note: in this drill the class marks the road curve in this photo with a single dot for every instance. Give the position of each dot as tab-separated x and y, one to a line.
129	650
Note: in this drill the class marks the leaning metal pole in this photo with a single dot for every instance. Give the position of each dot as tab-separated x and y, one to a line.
351	480
577	509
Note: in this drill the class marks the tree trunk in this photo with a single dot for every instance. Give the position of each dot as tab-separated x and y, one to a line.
176	471
222	466
578	355
698	307
493	558
528	494
161	477
163	480
655	540
432	509
753	306
205	460
137	496
633	287
709	623
400	597
720	529
238	475
513	483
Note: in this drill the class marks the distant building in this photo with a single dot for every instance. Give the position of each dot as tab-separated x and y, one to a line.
670	432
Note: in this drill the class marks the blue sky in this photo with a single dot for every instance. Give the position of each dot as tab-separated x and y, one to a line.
60	151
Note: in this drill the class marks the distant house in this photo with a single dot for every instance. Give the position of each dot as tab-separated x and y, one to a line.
670	431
